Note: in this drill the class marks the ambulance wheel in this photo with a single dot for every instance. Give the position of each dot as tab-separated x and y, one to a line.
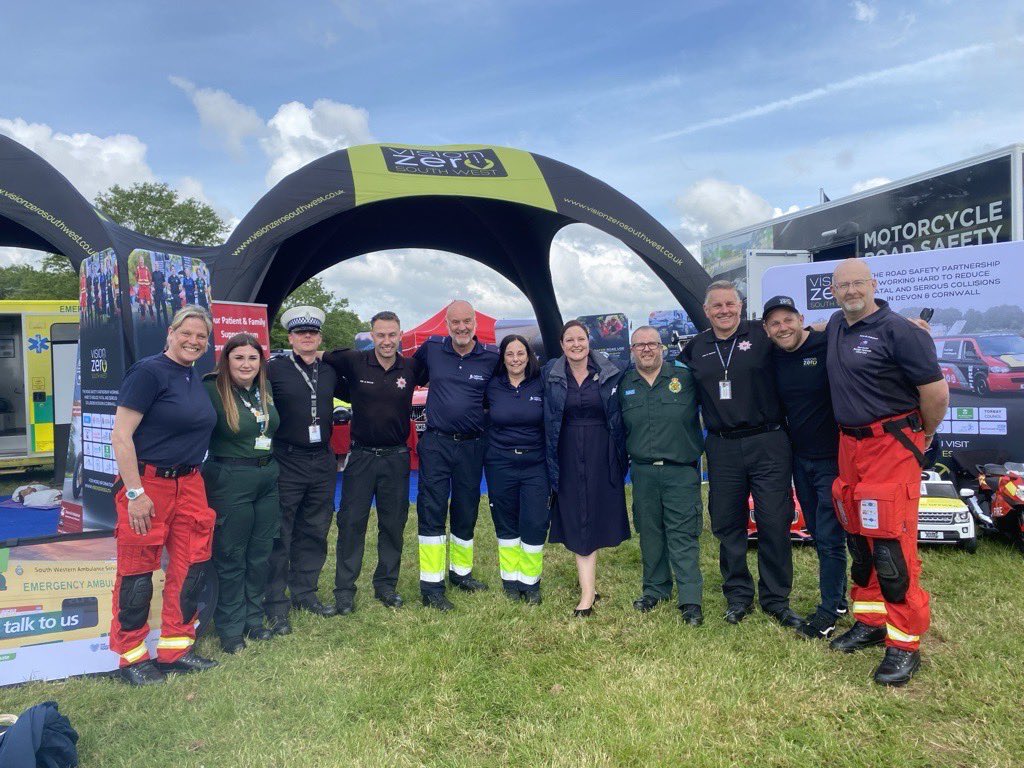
981	385
970	546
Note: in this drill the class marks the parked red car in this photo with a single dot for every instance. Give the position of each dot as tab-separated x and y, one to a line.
798	532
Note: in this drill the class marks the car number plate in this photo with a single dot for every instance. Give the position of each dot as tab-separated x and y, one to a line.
931	534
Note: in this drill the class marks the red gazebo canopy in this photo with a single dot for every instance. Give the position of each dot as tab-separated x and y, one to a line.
435	326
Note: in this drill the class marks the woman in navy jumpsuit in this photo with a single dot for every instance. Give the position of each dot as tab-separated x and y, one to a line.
517	478
586	455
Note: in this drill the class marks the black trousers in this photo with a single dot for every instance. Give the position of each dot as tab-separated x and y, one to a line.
368	477
758	466
306	487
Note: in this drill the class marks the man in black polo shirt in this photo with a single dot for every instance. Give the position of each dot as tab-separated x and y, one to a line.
748	453
889	397
802	381
451	453
304	395
380	382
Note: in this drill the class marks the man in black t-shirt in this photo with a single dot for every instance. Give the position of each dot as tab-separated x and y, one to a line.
802	382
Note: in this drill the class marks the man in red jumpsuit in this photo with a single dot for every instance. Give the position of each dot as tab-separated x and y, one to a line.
889	397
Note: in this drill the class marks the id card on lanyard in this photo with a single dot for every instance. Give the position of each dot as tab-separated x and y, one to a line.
725	386
262	417
314	421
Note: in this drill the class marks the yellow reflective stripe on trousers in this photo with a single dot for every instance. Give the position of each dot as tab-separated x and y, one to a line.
508	559
432	552
174	643
461	554
135	653
869	607
901	636
531	562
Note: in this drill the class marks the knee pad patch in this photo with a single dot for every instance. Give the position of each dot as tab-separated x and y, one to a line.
133	600
191	588
860	556
893	574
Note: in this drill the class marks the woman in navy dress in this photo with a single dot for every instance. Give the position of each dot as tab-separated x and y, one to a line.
586	455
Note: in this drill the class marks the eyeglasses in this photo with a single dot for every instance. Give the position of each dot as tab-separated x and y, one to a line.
648	345
844	287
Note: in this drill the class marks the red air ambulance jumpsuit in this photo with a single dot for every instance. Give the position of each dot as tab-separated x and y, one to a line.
875	367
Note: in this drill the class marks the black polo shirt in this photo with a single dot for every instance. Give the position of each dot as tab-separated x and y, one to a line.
455	399
802	380
876	365
755	401
381	399
516	413
292	399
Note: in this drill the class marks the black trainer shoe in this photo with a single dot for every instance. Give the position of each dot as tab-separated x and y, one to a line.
532	597
143	673
438	600
897	667
646	603
734	614
468	584
692	614
858	637
190	662
344	605
314	606
818	626
391	599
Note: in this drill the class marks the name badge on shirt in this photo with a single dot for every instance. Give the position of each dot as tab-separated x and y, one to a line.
314	433
262	443
725	390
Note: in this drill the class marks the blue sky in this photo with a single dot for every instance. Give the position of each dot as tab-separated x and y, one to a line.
711	115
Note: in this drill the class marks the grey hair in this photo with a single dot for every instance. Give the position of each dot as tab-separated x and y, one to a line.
188	312
722	285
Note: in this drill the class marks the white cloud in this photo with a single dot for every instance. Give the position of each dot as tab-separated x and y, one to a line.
10	256
298	134
871	183
221	115
712	206
91	163
866	12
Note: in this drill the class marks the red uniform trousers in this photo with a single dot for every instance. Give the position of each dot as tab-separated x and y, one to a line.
184	525
876	497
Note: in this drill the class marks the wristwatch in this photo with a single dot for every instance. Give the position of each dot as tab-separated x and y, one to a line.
134	493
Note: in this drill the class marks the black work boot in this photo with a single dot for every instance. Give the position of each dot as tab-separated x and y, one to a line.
467	583
692	614
897	667
437	600
858	637
143	673
190	662
646	603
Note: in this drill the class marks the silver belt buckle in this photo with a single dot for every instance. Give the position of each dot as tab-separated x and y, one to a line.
658	463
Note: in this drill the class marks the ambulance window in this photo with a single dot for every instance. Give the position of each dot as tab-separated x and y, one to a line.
64	332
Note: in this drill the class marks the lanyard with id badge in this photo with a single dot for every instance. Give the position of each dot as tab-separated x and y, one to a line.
262	420
314	423
725	386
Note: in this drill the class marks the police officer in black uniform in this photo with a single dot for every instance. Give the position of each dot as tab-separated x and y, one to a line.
380	382
748	453
303	393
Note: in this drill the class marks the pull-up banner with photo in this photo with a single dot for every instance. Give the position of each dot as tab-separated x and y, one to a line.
977	329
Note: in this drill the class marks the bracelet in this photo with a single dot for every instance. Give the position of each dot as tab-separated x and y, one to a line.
931	435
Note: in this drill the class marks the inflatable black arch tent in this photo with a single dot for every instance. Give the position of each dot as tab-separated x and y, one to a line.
499	206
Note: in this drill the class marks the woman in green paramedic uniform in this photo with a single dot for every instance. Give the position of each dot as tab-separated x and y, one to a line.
241	485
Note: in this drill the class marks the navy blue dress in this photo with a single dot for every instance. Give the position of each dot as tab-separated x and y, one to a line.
590	512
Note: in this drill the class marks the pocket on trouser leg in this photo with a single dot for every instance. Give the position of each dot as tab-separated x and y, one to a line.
200	540
880	509
846	510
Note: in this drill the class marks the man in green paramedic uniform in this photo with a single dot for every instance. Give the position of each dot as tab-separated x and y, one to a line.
664	442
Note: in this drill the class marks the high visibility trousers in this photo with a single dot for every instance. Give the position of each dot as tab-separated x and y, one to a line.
518	492
669	516
248	518
183	523
876	496
448	469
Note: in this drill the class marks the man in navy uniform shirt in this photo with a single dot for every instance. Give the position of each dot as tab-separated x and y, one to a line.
451	452
802	381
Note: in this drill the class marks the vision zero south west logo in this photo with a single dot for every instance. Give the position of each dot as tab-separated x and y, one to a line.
432	162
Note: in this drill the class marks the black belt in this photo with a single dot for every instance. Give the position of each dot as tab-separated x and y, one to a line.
668	463
178	470
262	461
292	448
894	427
387	451
735	434
458	437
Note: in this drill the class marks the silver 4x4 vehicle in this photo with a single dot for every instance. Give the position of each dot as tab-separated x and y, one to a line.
942	516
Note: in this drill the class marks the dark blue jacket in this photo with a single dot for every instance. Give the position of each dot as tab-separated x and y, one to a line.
556	391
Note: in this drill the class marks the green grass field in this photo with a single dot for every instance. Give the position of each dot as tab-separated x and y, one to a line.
498	683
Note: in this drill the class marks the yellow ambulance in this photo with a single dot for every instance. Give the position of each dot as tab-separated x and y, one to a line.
38	344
